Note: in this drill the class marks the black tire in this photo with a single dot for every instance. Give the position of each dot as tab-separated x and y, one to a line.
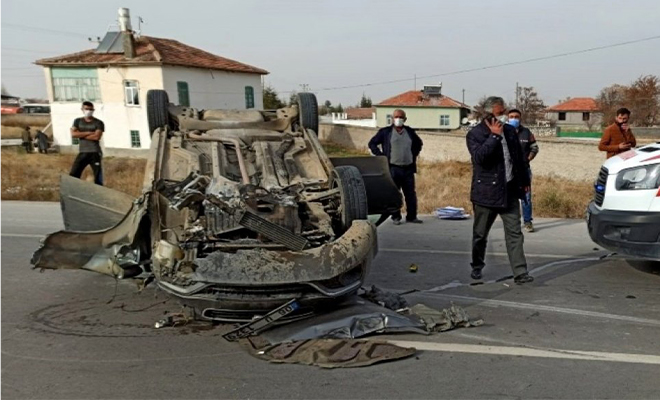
353	195
308	109
158	104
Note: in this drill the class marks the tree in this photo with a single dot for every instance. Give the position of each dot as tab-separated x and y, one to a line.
272	100
293	98
643	99
4	90
339	108
530	105
479	109
365	102
610	99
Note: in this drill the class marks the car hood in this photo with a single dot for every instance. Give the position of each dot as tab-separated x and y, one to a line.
646	155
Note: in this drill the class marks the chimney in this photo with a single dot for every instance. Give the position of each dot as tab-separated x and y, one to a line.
128	41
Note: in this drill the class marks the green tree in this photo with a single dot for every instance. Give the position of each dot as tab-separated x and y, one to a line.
365	102
272	100
338	108
293	98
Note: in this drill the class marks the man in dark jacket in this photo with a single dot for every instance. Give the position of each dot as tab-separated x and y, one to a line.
401	145
530	149
26	137
499	181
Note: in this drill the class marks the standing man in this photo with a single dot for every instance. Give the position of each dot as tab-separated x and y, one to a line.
530	149
499	181
26	137
401	145
618	137
89	130
42	142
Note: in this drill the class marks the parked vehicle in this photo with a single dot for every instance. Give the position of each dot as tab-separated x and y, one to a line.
241	212
42	109
624	216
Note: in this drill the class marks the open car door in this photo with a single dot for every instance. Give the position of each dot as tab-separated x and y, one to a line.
383	197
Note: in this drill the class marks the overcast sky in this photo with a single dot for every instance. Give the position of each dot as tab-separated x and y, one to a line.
344	43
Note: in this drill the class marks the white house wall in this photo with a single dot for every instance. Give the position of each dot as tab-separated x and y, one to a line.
119	119
213	89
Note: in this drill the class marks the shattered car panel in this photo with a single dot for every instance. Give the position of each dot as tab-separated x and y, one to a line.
241	212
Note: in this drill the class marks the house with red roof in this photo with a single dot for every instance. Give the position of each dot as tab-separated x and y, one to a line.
576	113
117	74
425	109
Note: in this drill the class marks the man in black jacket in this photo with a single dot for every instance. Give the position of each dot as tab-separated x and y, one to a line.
499	181
401	145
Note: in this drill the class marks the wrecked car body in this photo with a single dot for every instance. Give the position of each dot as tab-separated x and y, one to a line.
240	212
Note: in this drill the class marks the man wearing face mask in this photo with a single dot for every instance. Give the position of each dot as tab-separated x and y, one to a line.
618	137
401	145
89	131
499	182
530	149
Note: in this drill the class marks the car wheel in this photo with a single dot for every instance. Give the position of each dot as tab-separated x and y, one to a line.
308	110
353	195
158	104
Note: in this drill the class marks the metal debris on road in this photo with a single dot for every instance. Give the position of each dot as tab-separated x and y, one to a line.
393	301
444	320
413	268
263	322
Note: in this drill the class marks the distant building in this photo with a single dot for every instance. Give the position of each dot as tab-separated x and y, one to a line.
579	113
356	116
425	109
118	73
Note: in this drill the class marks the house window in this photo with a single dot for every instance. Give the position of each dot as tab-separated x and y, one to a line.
131	93
75	84
249	97
389	119
184	96
135	140
585	116
444	120
562	116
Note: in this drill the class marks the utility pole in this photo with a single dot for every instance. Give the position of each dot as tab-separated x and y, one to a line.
415	81
517	95
463	96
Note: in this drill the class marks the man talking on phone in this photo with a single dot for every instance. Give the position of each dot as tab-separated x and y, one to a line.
618	137
499	181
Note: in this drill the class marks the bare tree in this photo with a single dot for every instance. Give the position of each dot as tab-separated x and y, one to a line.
610	99
530	105
643	99
4	90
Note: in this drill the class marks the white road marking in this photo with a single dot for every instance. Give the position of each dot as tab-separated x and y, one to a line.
540	307
457	252
24	235
531	352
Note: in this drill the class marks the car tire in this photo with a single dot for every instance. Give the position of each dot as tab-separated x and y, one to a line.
308	110
353	195
158	104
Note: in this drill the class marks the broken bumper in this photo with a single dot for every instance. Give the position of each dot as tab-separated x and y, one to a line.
236	286
630	233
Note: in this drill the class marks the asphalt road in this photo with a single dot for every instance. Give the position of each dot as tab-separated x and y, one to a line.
586	328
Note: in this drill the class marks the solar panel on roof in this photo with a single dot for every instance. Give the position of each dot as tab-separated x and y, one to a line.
111	43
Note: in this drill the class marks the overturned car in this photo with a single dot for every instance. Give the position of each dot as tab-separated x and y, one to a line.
240	212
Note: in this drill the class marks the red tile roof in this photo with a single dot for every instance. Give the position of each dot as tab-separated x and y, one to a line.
155	51
360	113
416	98
576	104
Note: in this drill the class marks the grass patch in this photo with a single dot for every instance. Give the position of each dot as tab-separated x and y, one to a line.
36	177
335	150
23	120
15	132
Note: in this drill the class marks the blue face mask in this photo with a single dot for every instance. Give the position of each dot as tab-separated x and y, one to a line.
514	122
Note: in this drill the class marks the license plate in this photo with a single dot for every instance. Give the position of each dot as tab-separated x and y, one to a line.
261	323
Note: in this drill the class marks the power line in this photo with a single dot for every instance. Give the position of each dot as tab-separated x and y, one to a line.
463	71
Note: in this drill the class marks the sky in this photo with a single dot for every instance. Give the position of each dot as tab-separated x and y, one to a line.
330	44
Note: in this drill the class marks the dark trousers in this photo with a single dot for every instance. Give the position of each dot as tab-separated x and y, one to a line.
28	147
484	217
85	159
404	178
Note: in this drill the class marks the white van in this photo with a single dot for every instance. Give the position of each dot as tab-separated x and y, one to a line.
624	216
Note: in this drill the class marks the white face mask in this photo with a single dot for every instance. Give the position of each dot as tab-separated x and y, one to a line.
88	113
398	122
